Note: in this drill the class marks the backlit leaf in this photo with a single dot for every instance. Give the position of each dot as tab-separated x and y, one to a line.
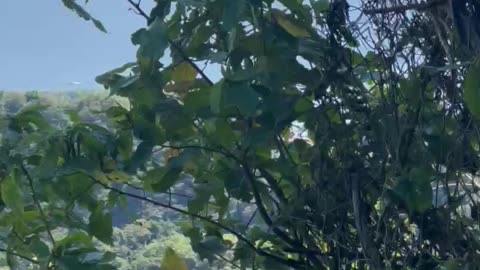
289	25
11	194
171	261
183	72
472	89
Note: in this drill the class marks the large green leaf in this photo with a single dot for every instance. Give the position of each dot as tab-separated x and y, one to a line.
12	195
153	41
472	89
232	13
100	224
162	179
240	96
415	190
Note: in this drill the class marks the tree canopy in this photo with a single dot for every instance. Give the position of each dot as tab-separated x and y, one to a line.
351	128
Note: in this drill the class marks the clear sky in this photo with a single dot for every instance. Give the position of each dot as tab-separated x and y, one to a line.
44	46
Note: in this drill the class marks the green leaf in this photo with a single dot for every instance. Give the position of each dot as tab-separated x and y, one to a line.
183	72
210	246
153	41
163	178
216	97
472	89
195	101
320	6
141	155
232	12
124	144
415	190
11	194
240	96
100	224
171	261
288	24
40	248
72	5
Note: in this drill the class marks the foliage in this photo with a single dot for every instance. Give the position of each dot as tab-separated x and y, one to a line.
341	141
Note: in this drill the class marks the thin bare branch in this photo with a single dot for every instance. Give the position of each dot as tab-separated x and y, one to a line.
172	43
403	8
19	255
242	238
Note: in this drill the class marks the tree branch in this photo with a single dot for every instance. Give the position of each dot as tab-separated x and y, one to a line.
172	43
403	8
360	223
272	182
139	10
37	203
289	262
19	255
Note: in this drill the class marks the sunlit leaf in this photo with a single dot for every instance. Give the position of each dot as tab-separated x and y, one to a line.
11	193
289	25
183	72
171	261
472	89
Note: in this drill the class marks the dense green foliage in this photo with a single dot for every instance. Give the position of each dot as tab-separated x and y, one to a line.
355	141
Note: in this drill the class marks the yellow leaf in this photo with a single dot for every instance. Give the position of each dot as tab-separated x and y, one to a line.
170	153
171	261
228	237
118	177
183	72
100	177
291	27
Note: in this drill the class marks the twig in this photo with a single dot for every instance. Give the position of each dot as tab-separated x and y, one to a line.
37	203
403	8
177	47
228	261
19	255
289	262
140	11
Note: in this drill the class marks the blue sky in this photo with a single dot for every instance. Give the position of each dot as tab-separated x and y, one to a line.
44	46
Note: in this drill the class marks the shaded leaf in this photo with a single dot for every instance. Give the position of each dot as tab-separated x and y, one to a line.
100	224
153	41
80	11
292	27
232	12
240	96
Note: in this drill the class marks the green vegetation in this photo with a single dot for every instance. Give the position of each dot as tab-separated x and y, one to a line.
327	143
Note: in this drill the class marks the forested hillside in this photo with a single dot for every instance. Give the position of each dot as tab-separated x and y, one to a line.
141	232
